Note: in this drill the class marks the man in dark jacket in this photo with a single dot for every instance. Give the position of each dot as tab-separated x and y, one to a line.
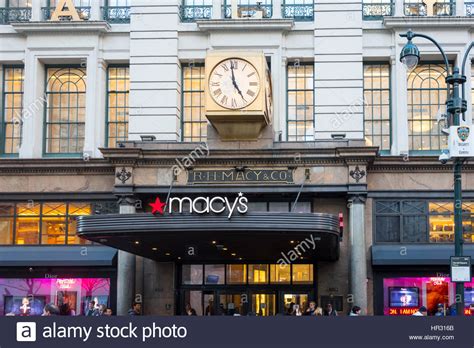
136	309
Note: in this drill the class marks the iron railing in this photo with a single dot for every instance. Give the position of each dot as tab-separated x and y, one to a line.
189	13
444	9
415	9
298	12
116	14
14	14
377	10
83	12
250	10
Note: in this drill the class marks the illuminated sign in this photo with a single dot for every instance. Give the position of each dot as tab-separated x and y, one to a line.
65	283
402	311
202	205
65	9
437	280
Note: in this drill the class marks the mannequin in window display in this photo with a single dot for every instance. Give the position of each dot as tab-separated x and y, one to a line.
25	308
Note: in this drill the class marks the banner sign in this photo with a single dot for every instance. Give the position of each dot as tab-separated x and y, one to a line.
461	141
461	269
246	176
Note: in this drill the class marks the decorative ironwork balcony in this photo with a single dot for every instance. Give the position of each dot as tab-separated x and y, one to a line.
250	10
377	11
14	14
444	9
298	12
415	9
189	13
83	12
469	8
116	14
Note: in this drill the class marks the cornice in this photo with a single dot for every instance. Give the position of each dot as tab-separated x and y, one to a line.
55	167
61	27
405	22
245	24
413	164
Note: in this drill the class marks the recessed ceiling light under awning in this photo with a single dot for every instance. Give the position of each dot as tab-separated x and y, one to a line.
266	237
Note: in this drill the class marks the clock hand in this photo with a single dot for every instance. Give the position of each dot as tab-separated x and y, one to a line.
234	82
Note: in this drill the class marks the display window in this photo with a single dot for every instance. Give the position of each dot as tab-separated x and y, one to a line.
28	296
404	295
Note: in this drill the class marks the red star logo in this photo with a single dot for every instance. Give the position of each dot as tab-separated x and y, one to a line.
157	206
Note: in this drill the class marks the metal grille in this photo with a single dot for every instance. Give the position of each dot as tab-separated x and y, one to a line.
426	95
65	111
300	99
377	9
299	10
13	87
116	11
377	105
118	89
194	121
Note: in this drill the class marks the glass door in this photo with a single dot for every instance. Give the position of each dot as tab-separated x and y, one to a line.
294	303
263	304
233	303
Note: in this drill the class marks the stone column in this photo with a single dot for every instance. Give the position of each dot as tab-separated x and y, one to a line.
36	12
95	10
159	288
277	9
125	267
398	10
399	102
358	251
460	10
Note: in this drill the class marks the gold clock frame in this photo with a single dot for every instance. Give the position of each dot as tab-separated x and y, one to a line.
238	124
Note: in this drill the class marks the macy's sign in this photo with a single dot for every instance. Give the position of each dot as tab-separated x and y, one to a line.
202	205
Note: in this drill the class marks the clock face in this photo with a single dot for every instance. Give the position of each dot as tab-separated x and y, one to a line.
234	83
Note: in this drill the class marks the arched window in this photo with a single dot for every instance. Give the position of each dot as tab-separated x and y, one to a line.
65	110
426	95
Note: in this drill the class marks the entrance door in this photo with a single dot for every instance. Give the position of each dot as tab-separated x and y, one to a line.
292	301
233	303
263	304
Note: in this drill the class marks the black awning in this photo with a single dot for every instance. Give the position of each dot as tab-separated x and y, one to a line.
416	255
250	237
56	256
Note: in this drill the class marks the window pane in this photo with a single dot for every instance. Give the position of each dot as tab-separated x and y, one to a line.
426	95
214	274
194	120
27	231
302	274
12	109
6	209
117	111
65	94
377	105
280	274
6	231
236	274
300	100
192	274
53	230
258	274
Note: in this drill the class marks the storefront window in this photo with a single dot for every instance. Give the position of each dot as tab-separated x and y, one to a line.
27	297
403	296
280	274
302	274
258	274
214	274
192	274
49	223
236	274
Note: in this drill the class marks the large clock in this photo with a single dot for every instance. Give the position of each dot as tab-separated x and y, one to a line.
234	83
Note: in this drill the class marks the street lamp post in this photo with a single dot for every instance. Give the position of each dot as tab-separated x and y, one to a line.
455	106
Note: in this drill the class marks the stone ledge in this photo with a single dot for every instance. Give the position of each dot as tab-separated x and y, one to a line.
246	24
428	22
62	27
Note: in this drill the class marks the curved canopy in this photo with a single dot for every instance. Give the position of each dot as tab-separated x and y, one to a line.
209	238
